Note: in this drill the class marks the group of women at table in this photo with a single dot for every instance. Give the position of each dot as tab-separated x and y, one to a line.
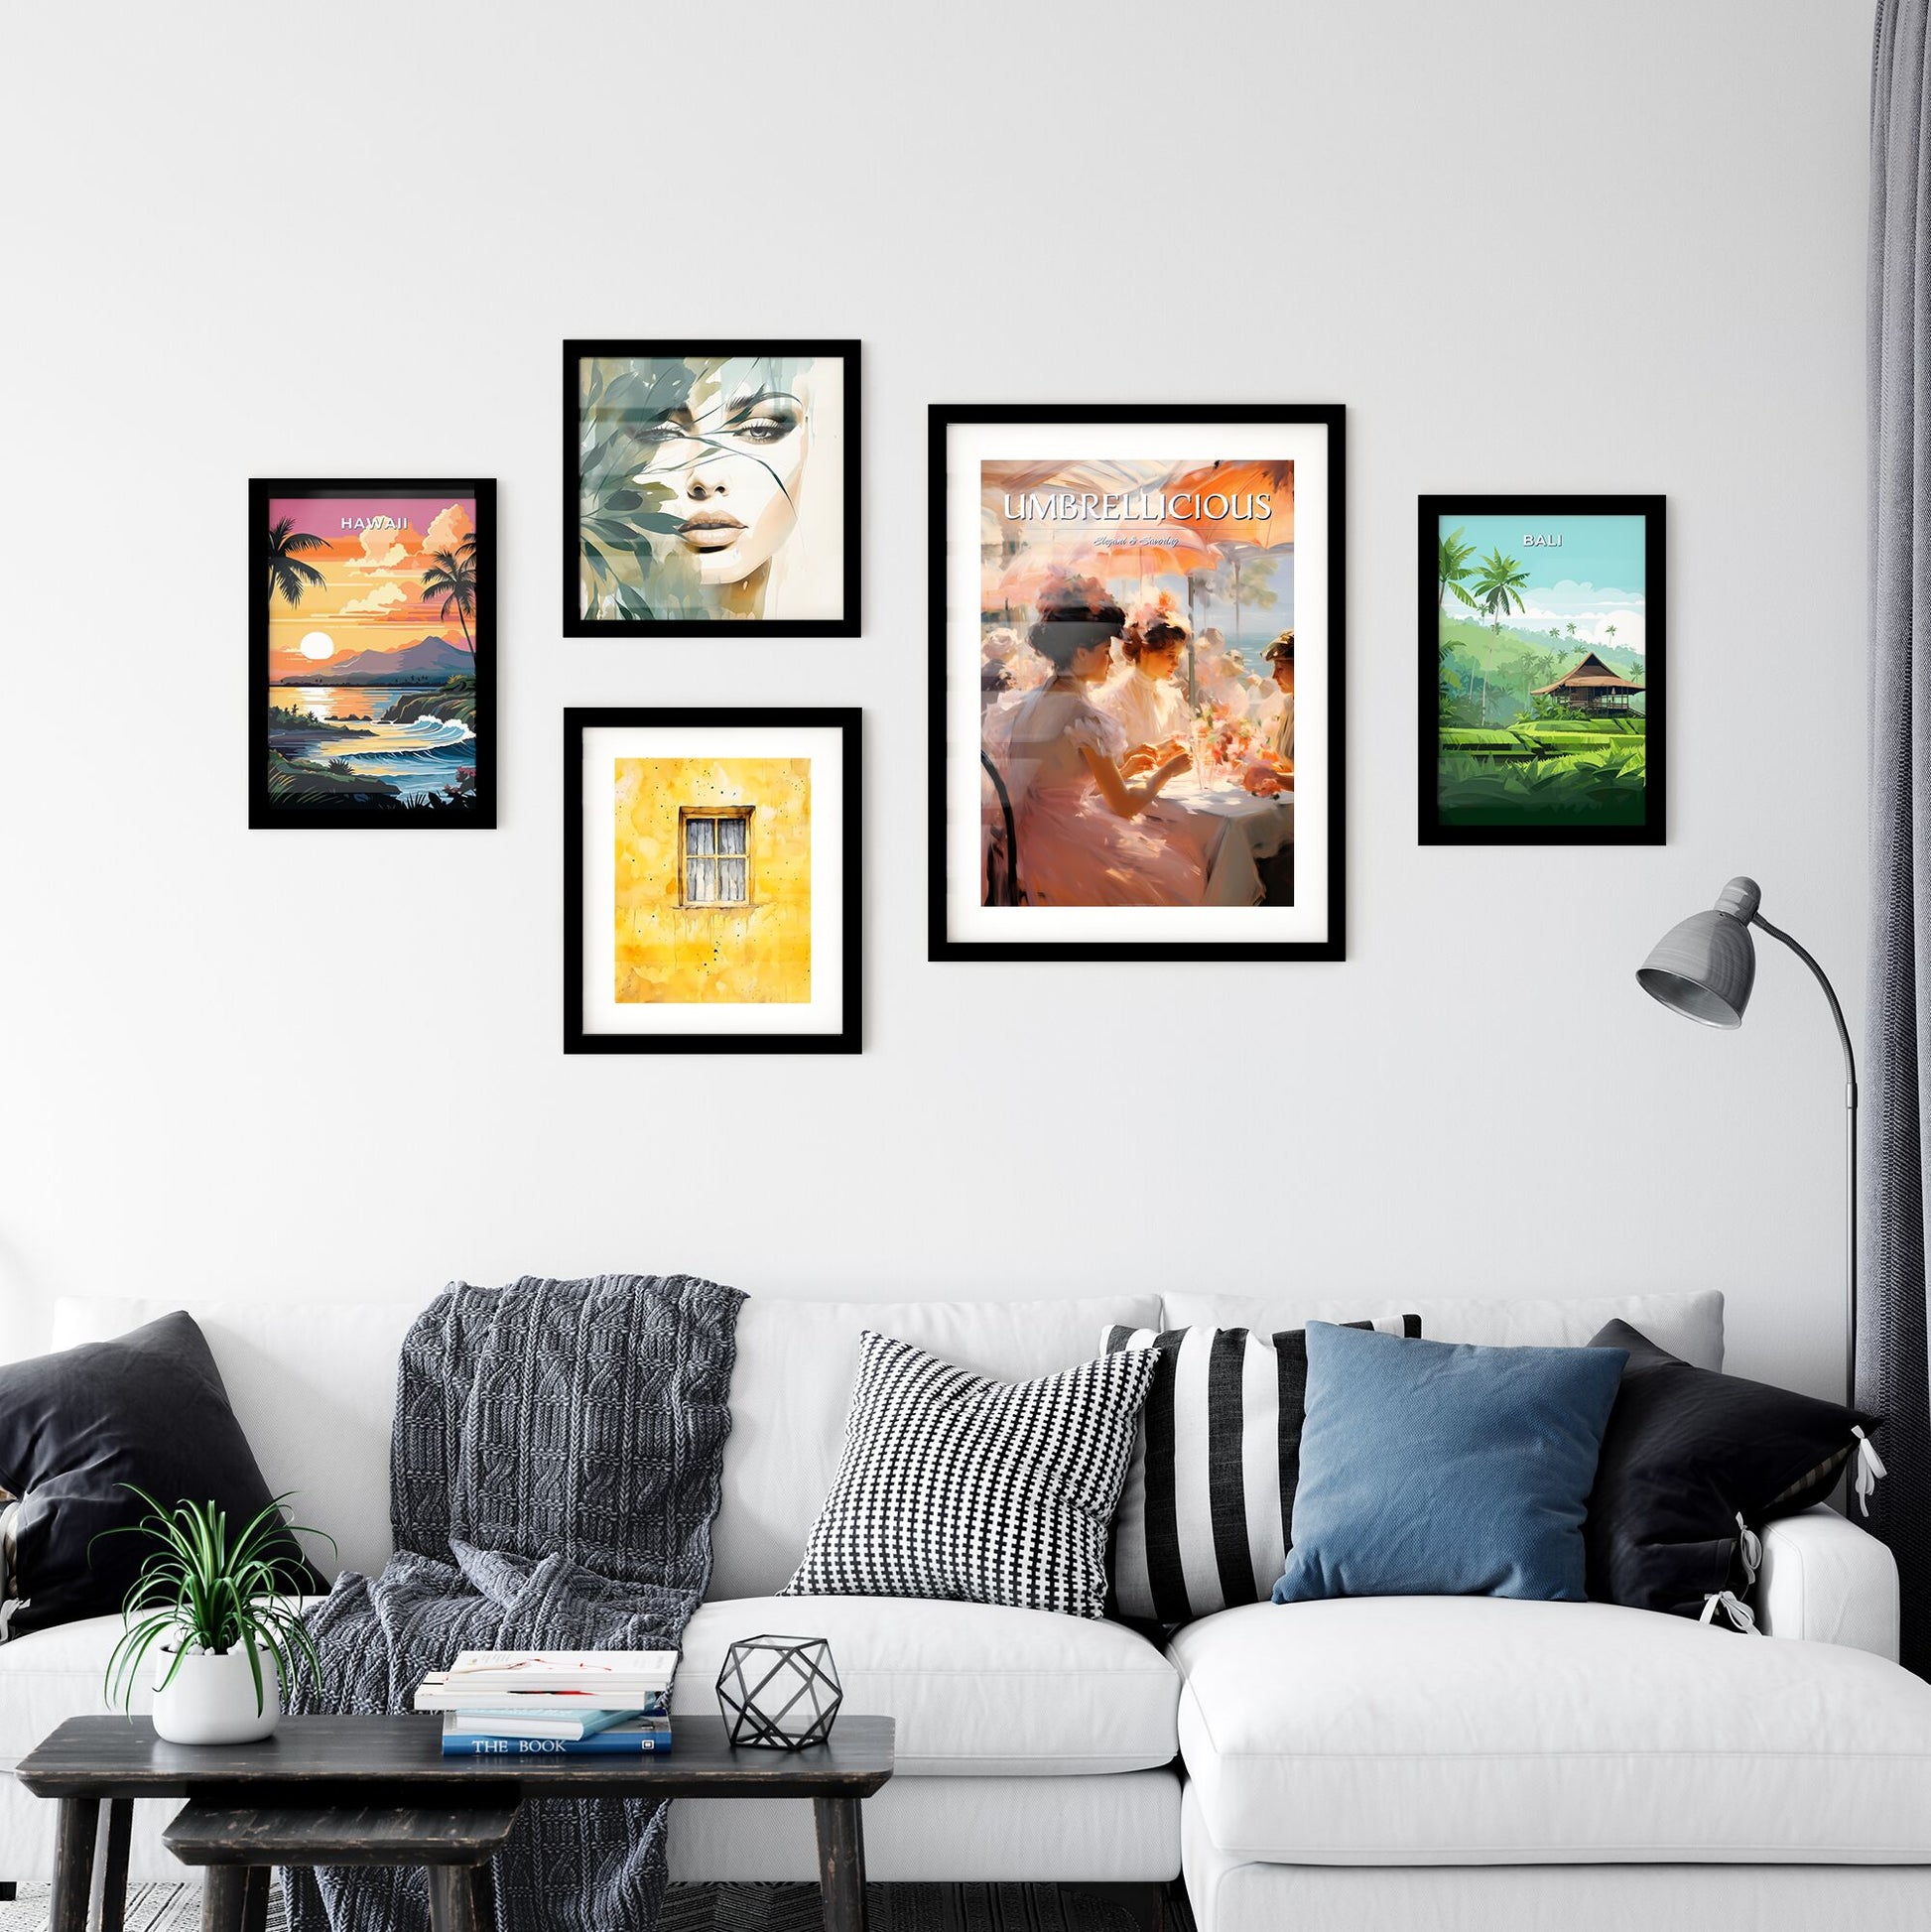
1086	743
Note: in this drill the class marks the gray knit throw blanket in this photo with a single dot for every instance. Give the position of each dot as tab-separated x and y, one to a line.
554	1474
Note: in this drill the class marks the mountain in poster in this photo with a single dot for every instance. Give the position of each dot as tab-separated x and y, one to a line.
433	658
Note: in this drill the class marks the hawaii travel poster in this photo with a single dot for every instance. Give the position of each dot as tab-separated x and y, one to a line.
1542	699
374	621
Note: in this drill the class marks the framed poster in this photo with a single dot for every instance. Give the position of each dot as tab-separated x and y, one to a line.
1137	682
711	483
1543	708
712	882
372	653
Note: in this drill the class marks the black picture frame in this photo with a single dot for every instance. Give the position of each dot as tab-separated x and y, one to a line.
1431	510
1333	416
849	720
847	623
481	813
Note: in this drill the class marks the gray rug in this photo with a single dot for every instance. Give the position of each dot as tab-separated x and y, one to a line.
714	1908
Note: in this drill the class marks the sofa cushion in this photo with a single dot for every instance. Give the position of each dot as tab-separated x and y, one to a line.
1690	1325
796	1364
978	1691
1692	1464
50	1676
1445	1468
974	1489
92	1441
1485	1731
314	1387
1208	1498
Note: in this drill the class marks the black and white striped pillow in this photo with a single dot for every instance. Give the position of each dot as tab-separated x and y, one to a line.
953	1484
1207	1514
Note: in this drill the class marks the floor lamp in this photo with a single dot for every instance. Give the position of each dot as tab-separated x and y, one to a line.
1704	969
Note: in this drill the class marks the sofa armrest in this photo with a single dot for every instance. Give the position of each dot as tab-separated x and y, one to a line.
1824	1578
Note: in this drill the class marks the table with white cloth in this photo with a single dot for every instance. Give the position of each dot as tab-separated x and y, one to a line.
1256	828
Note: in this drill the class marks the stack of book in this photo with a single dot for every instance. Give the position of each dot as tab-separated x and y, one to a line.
535	1703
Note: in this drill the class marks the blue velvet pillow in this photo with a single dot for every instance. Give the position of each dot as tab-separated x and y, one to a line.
1437	1469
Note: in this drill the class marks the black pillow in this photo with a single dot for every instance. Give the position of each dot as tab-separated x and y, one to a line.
1687	1452
147	1408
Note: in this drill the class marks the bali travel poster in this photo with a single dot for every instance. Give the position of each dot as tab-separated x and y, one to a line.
373	625
1542	696
1146	642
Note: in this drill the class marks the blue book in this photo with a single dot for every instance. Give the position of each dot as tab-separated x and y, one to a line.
620	1741
501	1722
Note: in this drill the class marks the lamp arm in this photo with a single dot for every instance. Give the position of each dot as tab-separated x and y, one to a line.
1830	993
1851	1157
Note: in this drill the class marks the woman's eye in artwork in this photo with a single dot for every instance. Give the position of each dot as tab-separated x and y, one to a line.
766	425
660	432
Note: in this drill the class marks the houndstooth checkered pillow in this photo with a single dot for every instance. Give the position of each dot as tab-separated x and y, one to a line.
953	1484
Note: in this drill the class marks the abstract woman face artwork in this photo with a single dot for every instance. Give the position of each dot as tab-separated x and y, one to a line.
710	486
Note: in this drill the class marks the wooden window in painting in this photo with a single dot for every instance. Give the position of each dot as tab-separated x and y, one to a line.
715	850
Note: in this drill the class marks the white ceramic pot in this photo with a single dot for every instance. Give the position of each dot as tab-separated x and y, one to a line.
211	1700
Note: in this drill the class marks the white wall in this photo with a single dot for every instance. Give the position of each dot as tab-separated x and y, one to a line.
1614	246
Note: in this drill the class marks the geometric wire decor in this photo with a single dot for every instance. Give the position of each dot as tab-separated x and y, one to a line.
779	1693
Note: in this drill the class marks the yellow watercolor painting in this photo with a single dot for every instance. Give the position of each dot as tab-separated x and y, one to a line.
713	881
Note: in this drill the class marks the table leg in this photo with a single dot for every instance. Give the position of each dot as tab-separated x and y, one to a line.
458	1899
485	1878
842	1863
113	1874
9	1890
224	1897
73	1864
254	1900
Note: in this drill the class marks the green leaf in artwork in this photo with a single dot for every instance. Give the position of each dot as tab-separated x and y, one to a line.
612	530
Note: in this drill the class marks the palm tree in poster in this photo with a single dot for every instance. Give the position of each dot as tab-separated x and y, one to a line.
452	575
286	571
1451	567
1499	587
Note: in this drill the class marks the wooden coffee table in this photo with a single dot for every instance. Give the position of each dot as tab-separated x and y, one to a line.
300	1787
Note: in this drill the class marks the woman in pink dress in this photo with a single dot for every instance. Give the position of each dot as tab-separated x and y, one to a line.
1088	836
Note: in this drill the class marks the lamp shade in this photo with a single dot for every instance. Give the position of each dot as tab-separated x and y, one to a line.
1704	965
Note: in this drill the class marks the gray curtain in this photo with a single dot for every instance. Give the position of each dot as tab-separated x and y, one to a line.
1892	1362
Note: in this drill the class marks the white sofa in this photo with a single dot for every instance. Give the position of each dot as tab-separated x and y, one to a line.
1390	1762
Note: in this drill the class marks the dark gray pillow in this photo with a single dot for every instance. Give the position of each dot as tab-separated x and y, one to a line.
1690	1460
77	1427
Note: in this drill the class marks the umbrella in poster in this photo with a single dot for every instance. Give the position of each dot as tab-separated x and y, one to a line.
1236	505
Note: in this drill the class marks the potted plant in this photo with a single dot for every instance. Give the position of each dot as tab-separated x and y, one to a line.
217	1618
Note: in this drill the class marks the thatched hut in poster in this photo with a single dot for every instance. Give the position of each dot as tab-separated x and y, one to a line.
1592	687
